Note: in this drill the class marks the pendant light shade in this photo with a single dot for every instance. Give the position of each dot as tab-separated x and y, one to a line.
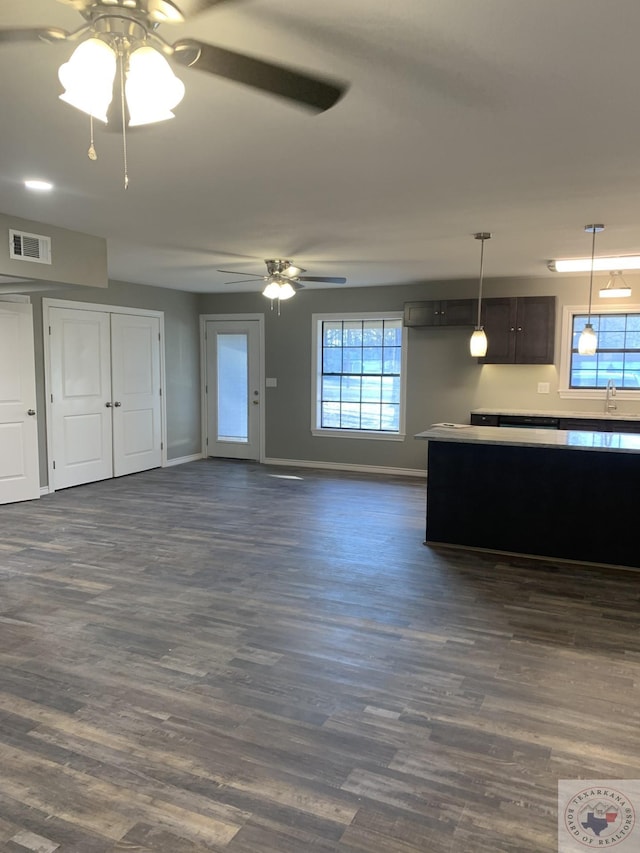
588	342
616	287
88	78
478	341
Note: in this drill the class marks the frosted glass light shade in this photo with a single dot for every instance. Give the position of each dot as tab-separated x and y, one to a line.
88	78
286	291
152	89
588	342
478	344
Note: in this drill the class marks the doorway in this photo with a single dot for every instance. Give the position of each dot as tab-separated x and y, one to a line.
104	392
233	422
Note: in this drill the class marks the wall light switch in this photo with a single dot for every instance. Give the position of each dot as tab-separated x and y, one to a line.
543	387
271	383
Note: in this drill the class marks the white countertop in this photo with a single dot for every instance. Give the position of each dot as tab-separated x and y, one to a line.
561	439
605	416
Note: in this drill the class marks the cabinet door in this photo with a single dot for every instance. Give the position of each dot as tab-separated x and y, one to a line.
535	329
458	312
426	313
499	321
585	424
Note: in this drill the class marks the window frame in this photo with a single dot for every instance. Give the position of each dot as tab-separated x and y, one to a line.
565	392
316	385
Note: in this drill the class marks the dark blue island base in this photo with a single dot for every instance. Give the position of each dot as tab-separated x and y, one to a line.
554	502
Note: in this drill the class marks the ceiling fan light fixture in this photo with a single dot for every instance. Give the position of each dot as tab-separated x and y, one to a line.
286	290
152	89
272	290
88	78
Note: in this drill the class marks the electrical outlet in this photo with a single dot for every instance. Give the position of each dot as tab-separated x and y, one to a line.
543	387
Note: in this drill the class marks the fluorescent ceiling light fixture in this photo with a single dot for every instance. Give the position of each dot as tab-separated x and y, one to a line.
39	186
625	262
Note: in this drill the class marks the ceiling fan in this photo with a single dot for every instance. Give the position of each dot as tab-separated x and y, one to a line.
128	25
283	279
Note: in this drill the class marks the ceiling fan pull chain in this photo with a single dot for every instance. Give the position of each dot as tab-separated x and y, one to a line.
92	154
124	118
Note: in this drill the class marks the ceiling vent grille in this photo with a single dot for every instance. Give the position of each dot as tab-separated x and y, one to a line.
29	247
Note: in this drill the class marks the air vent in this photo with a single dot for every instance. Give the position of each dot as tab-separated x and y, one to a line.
29	247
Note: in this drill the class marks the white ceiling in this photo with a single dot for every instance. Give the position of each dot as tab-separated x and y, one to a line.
515	117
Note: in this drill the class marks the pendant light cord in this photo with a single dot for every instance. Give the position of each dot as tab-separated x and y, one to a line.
593	253
481	277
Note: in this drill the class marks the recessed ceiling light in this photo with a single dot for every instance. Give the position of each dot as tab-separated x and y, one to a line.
40	186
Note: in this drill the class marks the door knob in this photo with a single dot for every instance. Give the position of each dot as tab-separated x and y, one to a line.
117	404
108	405
31	411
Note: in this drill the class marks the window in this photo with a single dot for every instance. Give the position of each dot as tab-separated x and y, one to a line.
359	375
617	357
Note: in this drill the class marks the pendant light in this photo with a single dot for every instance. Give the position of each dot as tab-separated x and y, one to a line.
588	342
478	342
616	287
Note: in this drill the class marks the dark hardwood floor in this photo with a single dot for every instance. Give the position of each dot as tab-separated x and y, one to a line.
212	658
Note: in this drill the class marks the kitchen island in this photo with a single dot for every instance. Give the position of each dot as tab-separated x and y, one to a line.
561	494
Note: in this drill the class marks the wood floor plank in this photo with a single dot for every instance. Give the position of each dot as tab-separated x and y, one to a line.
208	658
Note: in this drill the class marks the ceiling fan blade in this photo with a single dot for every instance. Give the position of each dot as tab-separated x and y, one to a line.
189	8
311	92
238	272
243	280
322	278
50	35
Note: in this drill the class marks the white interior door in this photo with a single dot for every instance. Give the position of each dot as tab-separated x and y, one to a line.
19	474
135	365
233	388
81	396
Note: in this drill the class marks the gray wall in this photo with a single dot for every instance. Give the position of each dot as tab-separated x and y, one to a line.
182	357
443	382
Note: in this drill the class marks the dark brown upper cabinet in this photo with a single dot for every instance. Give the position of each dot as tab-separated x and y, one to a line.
520	330
441	312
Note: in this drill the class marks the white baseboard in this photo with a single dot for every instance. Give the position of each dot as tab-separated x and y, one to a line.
347	466
180	460
45	490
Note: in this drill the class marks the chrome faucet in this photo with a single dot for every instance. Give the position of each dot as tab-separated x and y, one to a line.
609	402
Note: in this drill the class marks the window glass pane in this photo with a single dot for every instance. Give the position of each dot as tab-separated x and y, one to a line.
330	387
331	415
371	389
332	360
351	388
350	415
372	333
392	359
390	389
372	360
393	333
352	335
632	339
370	416
332	334
233	390
611	322
610	340
352	360
390	418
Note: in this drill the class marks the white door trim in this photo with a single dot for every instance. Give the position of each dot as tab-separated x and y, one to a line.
47	304
223	318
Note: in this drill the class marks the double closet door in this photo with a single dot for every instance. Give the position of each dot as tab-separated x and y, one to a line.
104	395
